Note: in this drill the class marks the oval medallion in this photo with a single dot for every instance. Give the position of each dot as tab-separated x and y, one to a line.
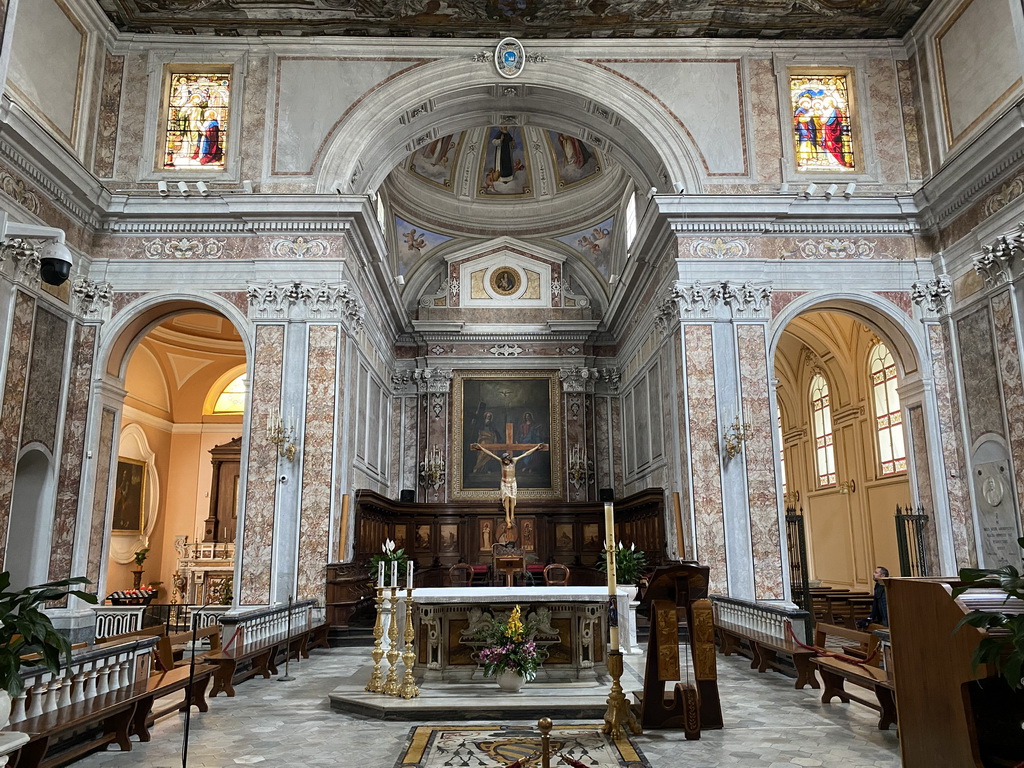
509	57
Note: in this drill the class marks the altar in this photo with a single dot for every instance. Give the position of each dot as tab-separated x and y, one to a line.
571	629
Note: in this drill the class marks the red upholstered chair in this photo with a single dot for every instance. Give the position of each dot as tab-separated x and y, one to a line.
556	575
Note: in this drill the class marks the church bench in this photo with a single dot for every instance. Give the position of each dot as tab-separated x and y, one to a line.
230	663
867	674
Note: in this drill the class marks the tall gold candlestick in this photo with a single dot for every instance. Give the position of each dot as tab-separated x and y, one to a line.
408	689
391	683
376	684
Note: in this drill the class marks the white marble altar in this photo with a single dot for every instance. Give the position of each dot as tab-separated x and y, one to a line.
571	628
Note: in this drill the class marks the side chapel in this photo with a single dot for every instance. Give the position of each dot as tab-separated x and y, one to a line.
759	274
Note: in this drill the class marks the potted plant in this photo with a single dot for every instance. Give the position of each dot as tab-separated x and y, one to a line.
509	652
1003	644
140	558
629	565
389	554
28	637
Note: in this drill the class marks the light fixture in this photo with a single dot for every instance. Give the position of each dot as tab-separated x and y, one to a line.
580	470
679	187
734	438
183	188
832	189
848	192
281	435
791	499
203	189
811	189
161	187
613	279
432	470
652	192
400	279
847	486
247	186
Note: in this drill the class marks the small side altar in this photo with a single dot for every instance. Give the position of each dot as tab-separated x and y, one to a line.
571	634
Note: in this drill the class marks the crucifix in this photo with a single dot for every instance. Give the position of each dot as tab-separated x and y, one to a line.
508	487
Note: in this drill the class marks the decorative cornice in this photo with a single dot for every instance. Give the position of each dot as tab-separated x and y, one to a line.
54	193
224	227
299	301
932	294
92	298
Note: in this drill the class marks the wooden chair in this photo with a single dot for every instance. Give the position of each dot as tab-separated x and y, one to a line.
461	575
556	575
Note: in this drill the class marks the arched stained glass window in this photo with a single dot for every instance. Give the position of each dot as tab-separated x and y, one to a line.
892	450
821	413
232	399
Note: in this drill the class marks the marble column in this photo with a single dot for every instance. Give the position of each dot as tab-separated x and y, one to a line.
578	414
434	386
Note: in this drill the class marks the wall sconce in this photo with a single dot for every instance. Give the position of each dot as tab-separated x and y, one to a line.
282	436
432	470
580	470
847	486
791	499
734	438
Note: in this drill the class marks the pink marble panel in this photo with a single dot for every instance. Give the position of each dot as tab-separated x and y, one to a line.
602	441
889	135
702	426
110	106
11	411
132	119
45	379
782	299
254	116
923	470
410	440
952	448
123	298
72	456
901	299
759	452
1008	354
676	434
97	524
575	434
906	71
616	432
239	298
764	108
261	476
317	443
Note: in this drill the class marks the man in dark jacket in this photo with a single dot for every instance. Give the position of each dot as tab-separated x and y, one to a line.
879	608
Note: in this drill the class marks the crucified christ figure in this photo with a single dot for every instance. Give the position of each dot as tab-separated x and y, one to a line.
508	478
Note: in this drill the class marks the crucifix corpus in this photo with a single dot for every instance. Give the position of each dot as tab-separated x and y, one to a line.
508	487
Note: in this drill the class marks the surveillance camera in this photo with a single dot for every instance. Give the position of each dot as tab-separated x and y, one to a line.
54	263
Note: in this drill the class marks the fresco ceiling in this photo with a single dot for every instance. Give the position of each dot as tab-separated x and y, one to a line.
558	19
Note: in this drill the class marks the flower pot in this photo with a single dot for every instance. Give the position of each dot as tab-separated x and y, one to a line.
510	682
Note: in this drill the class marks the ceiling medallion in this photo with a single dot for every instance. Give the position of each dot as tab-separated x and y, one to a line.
509	57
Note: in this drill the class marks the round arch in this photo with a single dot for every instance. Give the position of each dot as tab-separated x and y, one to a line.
568	95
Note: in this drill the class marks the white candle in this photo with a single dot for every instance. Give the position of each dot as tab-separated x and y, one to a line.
609	545
394	573
408	575
380	574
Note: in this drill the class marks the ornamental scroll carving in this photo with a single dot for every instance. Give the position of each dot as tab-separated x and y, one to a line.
934	294
297	301
184	248
301	248
92	297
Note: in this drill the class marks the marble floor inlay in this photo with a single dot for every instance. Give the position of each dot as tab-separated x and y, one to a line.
768	724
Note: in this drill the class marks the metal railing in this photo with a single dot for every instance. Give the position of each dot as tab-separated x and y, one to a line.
910	527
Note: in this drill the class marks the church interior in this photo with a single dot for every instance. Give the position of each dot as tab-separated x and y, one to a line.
483	289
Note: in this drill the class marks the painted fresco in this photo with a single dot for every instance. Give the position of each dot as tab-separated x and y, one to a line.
412	243
575	161
593	244
504	167
435	161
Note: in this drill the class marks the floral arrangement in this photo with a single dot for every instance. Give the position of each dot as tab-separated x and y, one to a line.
141	555
629	563
508	647
389	554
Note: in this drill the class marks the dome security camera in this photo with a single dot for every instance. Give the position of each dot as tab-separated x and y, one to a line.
54	263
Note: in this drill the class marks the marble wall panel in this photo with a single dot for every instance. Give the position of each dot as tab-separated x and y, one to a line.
98	520
901	299
254	117
759	453
952	447
702	425
574	410
678	439
602	442
438	419
20	341
227	248
110	107
132	123
906	73
317	442
239	298
410	440
123	298
764	108
782	299
45	380
923	472
618	476
978	363
843	248
72	457
889	136
1013	389
261	477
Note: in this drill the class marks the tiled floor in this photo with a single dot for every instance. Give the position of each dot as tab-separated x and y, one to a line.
768	725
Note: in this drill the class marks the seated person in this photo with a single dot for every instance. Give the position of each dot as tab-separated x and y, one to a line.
879	608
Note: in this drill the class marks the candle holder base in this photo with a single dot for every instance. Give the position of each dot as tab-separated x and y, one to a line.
619	712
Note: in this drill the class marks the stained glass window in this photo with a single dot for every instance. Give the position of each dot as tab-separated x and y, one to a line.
197	121
824	451
892	450
821	122
232	398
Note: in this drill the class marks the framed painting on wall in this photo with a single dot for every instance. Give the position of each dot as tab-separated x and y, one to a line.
507	412
129	496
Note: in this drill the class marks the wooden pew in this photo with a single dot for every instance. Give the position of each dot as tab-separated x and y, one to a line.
868	674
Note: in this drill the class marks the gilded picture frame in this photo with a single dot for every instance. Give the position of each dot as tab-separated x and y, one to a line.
129	496
503	409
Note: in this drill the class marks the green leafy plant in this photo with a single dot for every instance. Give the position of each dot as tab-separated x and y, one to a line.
28	632
508	646
389	554
141	555
1003	645
629	564
226	591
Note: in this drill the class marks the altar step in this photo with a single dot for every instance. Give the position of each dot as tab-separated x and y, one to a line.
350	637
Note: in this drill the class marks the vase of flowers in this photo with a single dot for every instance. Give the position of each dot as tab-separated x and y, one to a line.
389	554
509	653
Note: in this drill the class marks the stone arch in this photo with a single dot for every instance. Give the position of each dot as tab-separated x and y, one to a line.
640	133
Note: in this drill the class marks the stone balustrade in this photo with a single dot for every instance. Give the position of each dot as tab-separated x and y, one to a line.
114	620
266	624
93	671
767	618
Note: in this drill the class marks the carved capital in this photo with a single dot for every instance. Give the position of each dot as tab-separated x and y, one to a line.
92	298
996	261
23	255
433	380
697	298
933	294
299	301
578	379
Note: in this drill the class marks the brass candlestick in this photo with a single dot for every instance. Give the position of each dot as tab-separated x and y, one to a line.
408	689
619	712
391	682
376	684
